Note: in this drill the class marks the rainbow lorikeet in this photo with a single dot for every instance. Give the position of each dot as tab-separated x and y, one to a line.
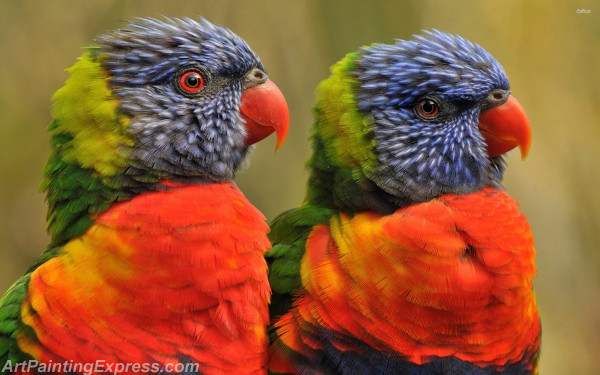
156	257
407	256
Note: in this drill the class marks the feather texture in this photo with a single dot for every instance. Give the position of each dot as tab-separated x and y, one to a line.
407	256
165	276
446	278
156	258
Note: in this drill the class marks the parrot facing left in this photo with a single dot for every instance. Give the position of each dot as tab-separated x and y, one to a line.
156	257
407	255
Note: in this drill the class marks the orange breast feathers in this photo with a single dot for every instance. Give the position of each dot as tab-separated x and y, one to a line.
167	276
450	277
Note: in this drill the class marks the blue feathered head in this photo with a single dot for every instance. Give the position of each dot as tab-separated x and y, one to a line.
441	113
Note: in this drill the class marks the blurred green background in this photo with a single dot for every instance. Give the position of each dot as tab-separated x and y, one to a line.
550	51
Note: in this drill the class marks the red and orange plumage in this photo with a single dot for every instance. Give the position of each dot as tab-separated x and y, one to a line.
449	277
112	294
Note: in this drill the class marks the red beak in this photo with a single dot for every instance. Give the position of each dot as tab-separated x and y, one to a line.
265	111
505	127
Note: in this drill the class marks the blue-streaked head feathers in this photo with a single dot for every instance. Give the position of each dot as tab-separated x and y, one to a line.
446	64
421	102
171	44
180	136
420	158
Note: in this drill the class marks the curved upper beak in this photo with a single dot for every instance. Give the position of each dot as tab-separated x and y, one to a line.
264	110
505	126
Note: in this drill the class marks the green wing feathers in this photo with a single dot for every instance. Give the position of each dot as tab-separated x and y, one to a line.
10	321
289	232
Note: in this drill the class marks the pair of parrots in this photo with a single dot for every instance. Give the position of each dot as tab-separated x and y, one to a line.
406	257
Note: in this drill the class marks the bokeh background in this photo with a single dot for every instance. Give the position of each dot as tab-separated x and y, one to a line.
550	50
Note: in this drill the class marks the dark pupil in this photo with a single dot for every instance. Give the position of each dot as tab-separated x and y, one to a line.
428	106
192	80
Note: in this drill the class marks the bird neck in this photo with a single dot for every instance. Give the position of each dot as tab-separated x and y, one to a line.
88	151
343	149
345	187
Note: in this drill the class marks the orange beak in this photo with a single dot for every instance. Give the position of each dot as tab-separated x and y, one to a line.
505	127
265	111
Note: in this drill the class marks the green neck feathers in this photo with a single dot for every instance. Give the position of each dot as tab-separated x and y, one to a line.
88	151
343	155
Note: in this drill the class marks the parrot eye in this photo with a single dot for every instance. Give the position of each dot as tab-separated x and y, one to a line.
190	81
428	108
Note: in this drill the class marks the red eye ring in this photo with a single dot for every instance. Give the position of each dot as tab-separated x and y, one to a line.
191	81
428	108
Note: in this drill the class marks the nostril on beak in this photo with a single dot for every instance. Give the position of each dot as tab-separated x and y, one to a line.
495	98
255	77
258	74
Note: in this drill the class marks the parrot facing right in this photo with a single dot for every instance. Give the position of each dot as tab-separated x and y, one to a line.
407	256
156	257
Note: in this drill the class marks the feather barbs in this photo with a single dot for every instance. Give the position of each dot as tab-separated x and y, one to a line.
87	113
163	271
428	280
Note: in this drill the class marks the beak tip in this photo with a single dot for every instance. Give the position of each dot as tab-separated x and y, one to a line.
281	133
525	141
524	150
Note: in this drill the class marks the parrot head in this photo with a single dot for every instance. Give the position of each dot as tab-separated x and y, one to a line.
175	99
196	94
161	101
411	121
